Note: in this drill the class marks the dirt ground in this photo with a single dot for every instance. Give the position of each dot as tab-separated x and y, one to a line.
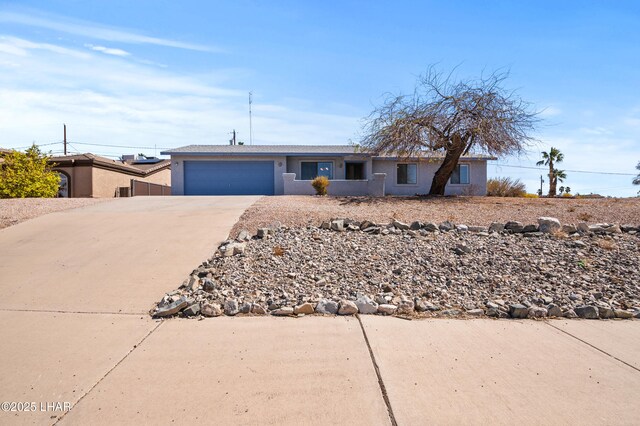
16	210
312	210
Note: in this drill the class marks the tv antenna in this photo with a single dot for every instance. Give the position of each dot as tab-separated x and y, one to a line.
250	124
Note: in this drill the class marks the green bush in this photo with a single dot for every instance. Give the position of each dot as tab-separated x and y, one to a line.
505	187
28	175
320	184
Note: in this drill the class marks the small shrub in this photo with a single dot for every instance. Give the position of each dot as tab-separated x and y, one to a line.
607	244
567	195
584	216
278	251
320	184
531	195
505	187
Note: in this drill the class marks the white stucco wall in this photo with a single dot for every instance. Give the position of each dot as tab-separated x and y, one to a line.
426	169
177	168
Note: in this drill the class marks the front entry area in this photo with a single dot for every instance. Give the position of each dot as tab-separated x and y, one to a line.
229	178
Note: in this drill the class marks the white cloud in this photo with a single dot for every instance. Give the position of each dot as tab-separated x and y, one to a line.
21	47
108	50
113	100
550	111
95	31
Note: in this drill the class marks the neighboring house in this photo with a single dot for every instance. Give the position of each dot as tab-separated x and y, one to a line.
88	175
288	170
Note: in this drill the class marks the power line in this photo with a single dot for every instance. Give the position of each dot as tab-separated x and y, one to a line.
118	146
572	171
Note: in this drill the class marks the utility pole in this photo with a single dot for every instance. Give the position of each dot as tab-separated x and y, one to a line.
65	138
250	124
233	138
541	182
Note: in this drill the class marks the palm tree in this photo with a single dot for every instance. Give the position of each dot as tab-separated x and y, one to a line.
567	190
561	189
636	180
548	159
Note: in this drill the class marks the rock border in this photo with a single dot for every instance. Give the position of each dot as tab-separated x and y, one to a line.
173	304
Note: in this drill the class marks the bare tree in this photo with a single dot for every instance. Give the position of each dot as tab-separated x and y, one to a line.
453	118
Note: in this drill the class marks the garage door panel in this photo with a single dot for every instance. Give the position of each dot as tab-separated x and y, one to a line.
228	178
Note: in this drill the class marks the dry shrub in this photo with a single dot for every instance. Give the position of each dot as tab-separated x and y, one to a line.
584	216
571	209
527	195
320	184
607	244
505	187
278	251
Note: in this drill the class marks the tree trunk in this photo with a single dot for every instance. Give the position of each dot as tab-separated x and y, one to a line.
552	181
447	167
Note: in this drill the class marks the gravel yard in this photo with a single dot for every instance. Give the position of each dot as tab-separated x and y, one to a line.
423	269
310	210
16	210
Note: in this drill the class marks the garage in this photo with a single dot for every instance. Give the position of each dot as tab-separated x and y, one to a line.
228	178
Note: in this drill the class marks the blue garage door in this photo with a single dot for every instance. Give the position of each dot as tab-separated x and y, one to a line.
228	178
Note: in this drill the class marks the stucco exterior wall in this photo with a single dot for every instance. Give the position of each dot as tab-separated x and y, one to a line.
337	187
339	169
81	185
177	168
106	182
426	170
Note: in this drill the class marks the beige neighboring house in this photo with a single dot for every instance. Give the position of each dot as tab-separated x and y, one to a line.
92	176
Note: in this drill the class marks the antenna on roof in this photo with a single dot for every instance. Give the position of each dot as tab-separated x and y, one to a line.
64	126
250	125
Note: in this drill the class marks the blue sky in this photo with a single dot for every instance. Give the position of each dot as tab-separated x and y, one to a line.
167	73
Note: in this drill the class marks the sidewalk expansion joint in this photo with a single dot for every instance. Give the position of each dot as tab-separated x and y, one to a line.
136	346
594	347
53	311
383	388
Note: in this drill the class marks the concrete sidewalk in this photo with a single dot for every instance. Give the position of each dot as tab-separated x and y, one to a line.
80	335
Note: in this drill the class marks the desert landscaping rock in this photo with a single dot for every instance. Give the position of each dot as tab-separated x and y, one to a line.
305	308
587	312
347	307
325	306
387	309
422	269
211	310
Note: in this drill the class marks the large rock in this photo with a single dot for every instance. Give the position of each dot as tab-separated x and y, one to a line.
496	227
606	313
347	307
620	313
282	312
537	312
587	312
258	309
400	225
415	226
211	310
325	306
172	308
446	226
305	308
406	307
192	310
514	227
337	225
548	225
366	305
387	309
431	227
518	311
554	310
231	307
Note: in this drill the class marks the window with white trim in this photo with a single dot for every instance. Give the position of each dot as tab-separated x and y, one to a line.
460	175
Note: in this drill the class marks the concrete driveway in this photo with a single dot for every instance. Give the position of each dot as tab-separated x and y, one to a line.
76	286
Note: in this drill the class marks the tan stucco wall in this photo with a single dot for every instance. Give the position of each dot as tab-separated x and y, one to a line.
81	183
106	182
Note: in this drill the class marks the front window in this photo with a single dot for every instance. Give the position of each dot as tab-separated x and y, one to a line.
407	174
460	175
310	170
